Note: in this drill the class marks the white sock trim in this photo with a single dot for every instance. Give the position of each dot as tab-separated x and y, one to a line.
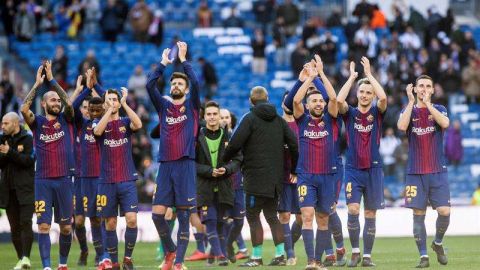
355	250
367	256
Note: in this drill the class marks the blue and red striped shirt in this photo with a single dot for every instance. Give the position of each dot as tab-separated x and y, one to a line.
89	151
53	142
425	142
116	152
363	133
287	158
317	144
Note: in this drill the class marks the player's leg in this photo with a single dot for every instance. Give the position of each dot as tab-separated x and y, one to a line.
323	236
13	216
238	221
199	253
63	210
335	224
209	218
128	200
296	228
440	200
107	204
284	209
354	189
253	209
324	207
270	213
416	199
89	194
80	230
307	197
44	211
26	233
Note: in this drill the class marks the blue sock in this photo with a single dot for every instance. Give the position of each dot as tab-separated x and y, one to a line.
130	240
235	233
328	244
240	242
307	235
323	239
65	241
420	234
183	234
104	240
353	225
213	237
442	226
44	245
97	241
296	232
221	238
368	235
81	234
288	241
199	239
112	245
163	232
335	227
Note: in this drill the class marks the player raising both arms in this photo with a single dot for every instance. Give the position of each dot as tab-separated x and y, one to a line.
426	180
175	184
363	168
53	137
117	188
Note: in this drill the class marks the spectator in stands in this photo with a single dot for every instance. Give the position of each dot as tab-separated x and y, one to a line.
24	24
388	144
8	16
401	157
92	15
378	18
76	14
453	144
327	49
60	62
137	83
204	15
363	9
264	10
298	58
209	75
335	19
233	20
259	63
48	23
290	13
450	79
417	22
309	30
471	81
394	109
7	91
468	45
476	196
410	40
88	62
365	42
433	21
140	17
280	42
398	24
62	19
111	21
155	30
447	22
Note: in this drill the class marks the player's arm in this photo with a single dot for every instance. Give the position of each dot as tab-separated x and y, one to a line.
81	92
155	133
298	108
93	85
404	119
234	164
289	99
238	139
27	103
330	91
102	124
192	77
135	121
292	143
152	78
379	91
69	113
439	116
25	158
343	94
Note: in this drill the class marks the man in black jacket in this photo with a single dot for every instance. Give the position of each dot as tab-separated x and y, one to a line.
16	185
214	185
261	135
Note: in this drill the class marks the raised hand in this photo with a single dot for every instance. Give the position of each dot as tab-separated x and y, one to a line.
366	66
318	64
165	60
89	76
182	51
427	98
94	77
303	75
353	73
409	90
311	70
123	100
39	78
4	148
48	70
79	85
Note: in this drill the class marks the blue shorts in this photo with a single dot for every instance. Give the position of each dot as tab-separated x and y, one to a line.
89	195
423	188
112	196
238	210
77	196
176	184
317	190
339	180
289	199
367	183
54	193
215	211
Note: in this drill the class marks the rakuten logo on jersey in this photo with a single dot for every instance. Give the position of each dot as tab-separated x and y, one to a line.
362	128
89	138
173	121
115	143
422	131
315	134
53	137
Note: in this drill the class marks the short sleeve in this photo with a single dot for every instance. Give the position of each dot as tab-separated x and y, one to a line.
441	109
126	122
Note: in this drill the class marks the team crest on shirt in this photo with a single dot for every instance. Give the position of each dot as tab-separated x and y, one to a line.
56	125
301	199
430	117
122	129
20	148
370	118
182	109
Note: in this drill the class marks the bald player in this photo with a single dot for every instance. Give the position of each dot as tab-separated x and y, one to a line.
16	188
53	137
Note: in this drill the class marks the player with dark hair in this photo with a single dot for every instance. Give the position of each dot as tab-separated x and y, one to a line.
426	180
318	132
175	184
363	168
53	137
117	188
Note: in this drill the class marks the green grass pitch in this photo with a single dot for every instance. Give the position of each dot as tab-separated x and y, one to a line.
388	253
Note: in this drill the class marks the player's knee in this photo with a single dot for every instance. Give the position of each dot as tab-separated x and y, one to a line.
284	217
65	229
419	212
298	219
95	221
322	221
79	221
370	213
238	222
354	209
111	224
43	228
307	217
443	211
131	222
